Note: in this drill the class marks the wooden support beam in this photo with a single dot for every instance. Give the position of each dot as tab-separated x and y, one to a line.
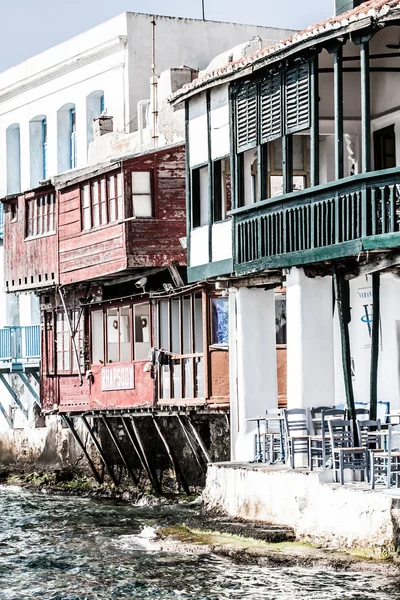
6	416
374	345
175	275
338	110
173	458
134	443
118	446
13	395
314	137
199	440
100	450
149	467
274	278
379	264
341	287
82	446
191	444
35	375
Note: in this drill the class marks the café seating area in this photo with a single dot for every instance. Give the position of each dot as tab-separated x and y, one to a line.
325	437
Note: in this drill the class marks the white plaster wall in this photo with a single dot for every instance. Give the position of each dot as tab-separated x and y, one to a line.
331	516
310	356
198	133
360	343
252	365
222	240
199	246
220	144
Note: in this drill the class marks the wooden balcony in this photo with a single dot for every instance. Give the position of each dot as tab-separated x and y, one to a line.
327	222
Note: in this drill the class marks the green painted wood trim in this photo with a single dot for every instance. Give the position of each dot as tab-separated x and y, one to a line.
210	176
381	242
188	185
374	345
365	108
314	138
287	163
338	110
342	297
215	269
303	257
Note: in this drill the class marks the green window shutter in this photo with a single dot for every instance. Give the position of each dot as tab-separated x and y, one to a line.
246	116
271	108
297	98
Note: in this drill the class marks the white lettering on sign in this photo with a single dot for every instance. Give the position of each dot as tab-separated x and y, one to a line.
118	377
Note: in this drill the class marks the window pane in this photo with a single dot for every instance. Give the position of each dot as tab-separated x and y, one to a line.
165	382
142	206
120	197
86	207
198	324
97	350
163	326
175	331
203	182
103	201
187	334
111	198
112	335
188	369
96	207
220	321
141	182
125	333
142	331
199	368
176	379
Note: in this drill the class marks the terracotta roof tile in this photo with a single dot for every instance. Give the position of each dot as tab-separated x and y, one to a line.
372	8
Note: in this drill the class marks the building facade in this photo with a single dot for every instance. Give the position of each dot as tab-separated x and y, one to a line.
293	159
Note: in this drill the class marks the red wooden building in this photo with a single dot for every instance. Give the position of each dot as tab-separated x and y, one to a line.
102	247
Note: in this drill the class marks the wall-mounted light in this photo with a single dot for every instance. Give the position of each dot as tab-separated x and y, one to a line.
115	324
143	321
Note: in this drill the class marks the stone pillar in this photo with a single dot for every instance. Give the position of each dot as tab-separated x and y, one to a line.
310	356
253	382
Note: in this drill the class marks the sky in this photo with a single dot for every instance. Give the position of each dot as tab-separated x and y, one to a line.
28	27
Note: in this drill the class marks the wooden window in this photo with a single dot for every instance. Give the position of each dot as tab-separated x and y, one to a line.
102	201
385	148
141	194
246	116
65	354
180	332
301	169
222	189
40	215
297	98
120	333
271	107
199	197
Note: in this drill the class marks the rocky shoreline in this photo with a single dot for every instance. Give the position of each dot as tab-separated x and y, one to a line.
201	532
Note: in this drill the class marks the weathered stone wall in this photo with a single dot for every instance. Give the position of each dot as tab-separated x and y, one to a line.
329	515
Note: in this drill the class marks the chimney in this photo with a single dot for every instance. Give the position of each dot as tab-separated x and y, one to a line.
342	6
102	125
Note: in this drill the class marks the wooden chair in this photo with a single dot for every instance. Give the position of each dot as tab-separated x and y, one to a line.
320	445
273	437
297	433
385	464
344	454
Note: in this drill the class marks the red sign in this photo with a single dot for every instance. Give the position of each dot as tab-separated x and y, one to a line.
117	377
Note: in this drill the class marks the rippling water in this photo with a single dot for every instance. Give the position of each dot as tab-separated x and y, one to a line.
60	548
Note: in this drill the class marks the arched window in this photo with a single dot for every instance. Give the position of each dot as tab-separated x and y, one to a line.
94	108
66	138
13	159
38	149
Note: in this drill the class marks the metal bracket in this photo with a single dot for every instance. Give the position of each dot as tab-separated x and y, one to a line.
13	395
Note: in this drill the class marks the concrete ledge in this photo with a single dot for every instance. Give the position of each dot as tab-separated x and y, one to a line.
349	517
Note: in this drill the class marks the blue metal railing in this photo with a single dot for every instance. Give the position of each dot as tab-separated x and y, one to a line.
20	343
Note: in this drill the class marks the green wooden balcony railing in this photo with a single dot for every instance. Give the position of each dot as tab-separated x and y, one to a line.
338	219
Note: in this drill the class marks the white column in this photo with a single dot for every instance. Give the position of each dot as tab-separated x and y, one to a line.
253	381
310	357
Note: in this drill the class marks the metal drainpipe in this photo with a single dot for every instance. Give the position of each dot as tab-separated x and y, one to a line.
154	82
72	335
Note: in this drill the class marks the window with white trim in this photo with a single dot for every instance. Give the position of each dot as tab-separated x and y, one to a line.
142	205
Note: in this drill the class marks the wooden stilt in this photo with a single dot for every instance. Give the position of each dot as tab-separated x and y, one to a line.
192	446
76	436
148	466
100	450
118	446
199	440
172	456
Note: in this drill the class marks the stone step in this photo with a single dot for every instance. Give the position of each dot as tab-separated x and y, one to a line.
250	529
